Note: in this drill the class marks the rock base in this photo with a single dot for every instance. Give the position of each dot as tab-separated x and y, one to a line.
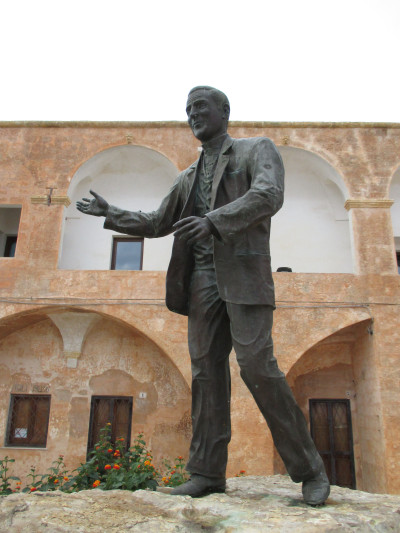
251	504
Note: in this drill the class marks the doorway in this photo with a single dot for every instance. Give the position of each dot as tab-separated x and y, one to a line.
331	430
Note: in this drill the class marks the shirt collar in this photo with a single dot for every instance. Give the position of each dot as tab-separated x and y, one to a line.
214	145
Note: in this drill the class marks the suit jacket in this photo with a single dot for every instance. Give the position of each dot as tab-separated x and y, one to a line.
247	191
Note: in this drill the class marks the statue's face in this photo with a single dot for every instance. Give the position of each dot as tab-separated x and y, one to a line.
205	118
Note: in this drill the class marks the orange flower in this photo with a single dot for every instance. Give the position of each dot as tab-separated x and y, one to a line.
18	483
180	457
56	481
33	489
243	471
65	478
108	424
96	483
110	450
173	471
117	454
147	463
116	467
107	467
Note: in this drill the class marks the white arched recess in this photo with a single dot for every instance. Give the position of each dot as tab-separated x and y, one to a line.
130	177
311	233
394	195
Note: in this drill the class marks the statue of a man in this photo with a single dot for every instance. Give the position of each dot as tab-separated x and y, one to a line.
220	211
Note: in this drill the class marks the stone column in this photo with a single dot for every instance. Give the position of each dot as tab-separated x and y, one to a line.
372	233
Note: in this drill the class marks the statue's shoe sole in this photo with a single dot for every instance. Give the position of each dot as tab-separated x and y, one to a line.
201	492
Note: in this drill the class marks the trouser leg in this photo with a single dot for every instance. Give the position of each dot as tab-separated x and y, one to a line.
251	335
209	346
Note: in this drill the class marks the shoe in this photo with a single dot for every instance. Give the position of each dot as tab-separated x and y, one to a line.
316	490
198	486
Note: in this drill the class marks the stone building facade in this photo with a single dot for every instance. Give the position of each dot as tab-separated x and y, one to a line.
82	342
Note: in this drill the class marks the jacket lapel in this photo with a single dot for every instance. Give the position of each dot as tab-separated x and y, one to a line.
221	166
192	178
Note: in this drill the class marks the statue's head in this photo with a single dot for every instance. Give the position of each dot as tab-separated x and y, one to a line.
208	112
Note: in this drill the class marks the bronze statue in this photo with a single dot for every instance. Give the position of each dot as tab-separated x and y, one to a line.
220	211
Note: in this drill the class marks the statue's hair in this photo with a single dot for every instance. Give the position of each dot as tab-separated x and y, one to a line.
218	96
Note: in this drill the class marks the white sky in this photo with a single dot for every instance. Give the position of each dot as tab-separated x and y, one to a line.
281	60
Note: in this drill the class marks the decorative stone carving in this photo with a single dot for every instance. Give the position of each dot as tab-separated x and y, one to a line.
73	328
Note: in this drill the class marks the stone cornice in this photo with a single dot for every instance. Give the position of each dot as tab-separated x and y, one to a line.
184	124
353	203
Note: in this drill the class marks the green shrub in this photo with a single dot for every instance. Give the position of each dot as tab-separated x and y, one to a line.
109	466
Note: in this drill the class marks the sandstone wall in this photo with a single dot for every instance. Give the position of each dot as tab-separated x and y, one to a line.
334	333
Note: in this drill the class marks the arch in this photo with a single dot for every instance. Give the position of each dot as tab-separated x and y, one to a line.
343	366
310	360
115	361
311	233
130	176
18	321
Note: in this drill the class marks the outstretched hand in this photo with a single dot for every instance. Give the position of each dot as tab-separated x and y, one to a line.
96	206
193	229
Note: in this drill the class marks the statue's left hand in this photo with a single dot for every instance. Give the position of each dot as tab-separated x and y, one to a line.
193	229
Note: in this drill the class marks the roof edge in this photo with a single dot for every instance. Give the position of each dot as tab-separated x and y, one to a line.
183	124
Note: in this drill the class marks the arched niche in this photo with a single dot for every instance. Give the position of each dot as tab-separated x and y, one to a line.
311	233
394	195
130	177
115	360
343	366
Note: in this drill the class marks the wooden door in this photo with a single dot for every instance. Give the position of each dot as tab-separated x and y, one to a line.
331	430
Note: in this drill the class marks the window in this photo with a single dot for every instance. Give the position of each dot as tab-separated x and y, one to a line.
28	420
9	224
117	410
11	243
127	254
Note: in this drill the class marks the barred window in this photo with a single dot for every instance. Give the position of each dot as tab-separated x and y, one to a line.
116	410
28	420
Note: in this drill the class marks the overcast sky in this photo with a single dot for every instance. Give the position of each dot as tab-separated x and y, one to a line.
282	60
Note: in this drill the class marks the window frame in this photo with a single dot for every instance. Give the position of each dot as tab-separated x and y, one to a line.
115	241
91	438
10	441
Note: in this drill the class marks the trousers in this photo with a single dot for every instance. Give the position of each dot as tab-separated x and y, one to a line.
214	327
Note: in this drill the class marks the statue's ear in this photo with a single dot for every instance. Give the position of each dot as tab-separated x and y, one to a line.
227	111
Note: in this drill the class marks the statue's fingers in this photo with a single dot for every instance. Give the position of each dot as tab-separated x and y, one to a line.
97	196
181	233
183	222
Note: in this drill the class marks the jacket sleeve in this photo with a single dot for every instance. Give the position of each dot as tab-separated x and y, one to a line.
263	199
154	224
